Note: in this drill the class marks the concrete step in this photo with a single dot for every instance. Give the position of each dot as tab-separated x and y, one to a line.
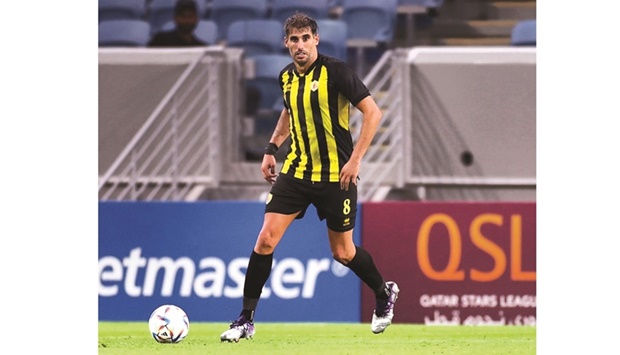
519	10
473	28
474	42
472	22
493	27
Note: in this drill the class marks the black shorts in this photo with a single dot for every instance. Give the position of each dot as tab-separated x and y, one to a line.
290	195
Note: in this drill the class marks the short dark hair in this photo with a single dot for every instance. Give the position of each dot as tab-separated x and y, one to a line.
185	5
298	21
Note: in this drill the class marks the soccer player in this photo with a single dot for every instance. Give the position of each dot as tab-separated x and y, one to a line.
321	168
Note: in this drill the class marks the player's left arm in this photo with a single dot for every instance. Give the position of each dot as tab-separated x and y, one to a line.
280	133
371	117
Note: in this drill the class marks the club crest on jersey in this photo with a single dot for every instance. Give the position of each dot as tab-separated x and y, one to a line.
314	86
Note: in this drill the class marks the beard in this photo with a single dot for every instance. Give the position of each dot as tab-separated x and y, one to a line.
301	62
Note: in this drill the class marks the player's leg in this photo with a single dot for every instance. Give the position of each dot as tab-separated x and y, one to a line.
258	271
286	202
261	260
339	207
361	263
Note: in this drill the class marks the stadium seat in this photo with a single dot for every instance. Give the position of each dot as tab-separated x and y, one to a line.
121	9
370	24
225	12
333	38
282	9
334	3
423	3
370	19
160	12
434	3
124	33
524	33
206	30
267	67
260	36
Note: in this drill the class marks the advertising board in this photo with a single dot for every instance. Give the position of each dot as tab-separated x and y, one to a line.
455	263
195	254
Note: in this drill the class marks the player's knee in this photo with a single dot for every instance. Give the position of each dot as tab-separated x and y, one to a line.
265	244
342	257
264	247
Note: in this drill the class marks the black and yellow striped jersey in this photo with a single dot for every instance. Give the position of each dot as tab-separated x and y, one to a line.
318	103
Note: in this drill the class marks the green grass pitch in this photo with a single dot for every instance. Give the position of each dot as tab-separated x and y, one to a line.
324	339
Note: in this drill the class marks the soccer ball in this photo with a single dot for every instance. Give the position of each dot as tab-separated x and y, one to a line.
169	324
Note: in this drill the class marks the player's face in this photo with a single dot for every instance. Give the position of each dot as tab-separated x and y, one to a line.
301	44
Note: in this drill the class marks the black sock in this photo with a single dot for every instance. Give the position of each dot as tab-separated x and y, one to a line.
248	314
364	267
259	269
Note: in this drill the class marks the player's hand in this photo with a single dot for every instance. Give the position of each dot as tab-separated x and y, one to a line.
268	167
348	174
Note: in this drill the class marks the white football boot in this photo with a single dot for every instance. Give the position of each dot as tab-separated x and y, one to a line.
241	328
384	311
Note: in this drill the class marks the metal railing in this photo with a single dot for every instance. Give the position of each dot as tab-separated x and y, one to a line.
194	134
382	164
176	148
394	161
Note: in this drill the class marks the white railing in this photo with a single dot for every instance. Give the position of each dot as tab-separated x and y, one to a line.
191	140
383	162
176	149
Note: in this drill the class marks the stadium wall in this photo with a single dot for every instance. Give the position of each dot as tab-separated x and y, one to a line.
474	263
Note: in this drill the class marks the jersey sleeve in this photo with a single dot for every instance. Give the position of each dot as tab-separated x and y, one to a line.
348	83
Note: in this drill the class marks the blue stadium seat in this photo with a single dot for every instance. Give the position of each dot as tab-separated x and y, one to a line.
335	3
423	3
225	12
121	9
370	19
267	67
260	36
206	30
433	3
124	33
370	26
282	9
333	38
524	33
160	13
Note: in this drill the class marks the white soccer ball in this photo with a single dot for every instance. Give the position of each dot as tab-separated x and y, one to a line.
169	324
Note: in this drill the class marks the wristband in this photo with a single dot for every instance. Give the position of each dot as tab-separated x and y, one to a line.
271	149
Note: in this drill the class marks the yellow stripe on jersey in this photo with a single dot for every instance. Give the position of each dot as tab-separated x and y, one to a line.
334	170
286	77
315	156
297	132
343	112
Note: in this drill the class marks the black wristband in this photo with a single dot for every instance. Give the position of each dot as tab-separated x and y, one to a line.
271	149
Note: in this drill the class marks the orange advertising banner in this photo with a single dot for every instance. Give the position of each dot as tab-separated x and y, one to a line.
455	263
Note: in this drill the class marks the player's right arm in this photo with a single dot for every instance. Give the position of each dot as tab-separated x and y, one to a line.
280	133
